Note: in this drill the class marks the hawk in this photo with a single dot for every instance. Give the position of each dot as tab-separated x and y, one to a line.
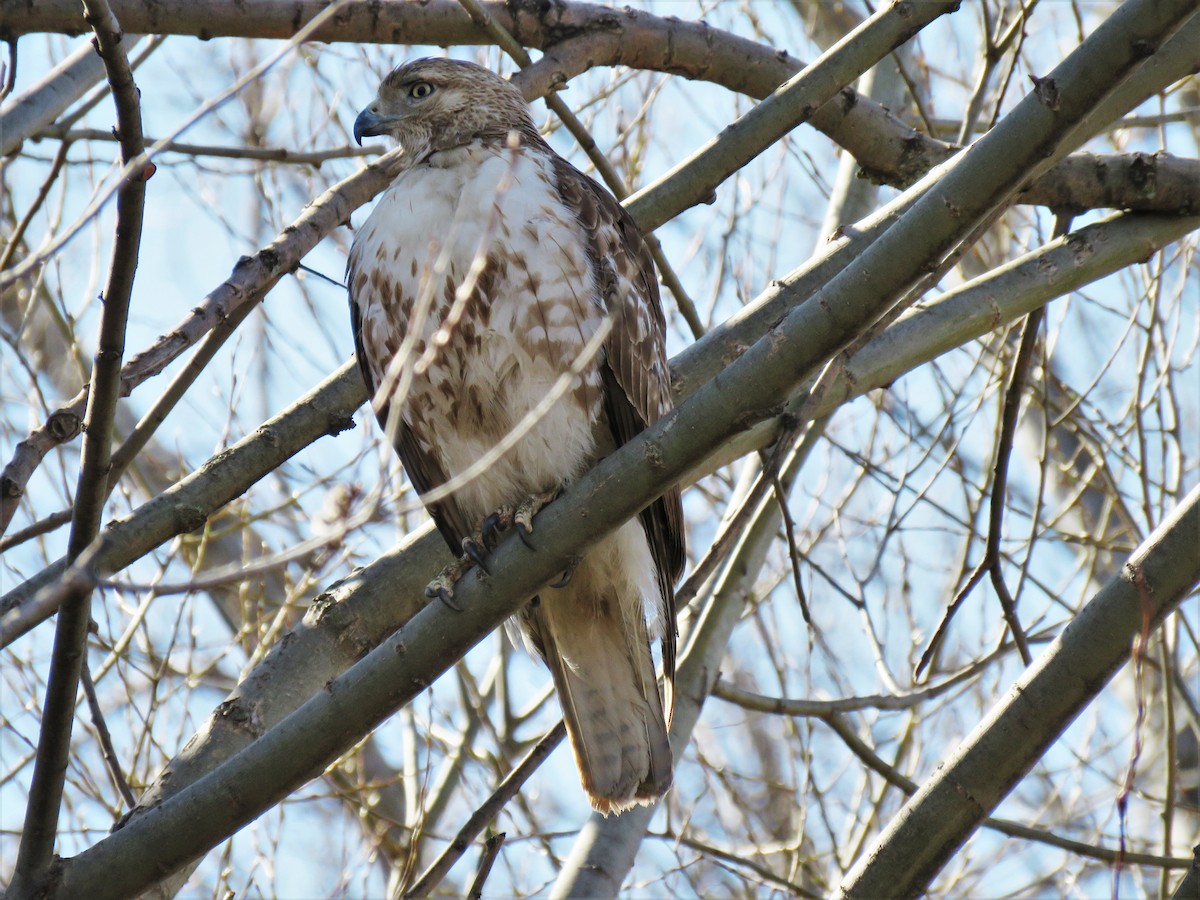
505	309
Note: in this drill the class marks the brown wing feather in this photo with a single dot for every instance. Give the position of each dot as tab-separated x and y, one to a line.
423	470
635	372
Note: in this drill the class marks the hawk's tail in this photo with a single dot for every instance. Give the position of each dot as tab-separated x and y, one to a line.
598	651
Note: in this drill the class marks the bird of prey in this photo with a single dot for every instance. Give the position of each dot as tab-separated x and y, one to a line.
504	303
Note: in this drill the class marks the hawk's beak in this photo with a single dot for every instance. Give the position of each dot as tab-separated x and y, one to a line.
369	124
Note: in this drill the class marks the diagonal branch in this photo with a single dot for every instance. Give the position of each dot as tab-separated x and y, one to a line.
249	282
966	313
792	103
487	812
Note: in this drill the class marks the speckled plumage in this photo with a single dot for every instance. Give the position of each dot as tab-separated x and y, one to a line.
475	283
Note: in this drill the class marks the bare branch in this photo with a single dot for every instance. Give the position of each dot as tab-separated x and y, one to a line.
695	179
29	112
578	36
487	812
1044	701
252	278
74	617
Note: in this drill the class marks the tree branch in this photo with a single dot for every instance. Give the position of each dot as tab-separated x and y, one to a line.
250	281
35	108
70	643
487	812
966	313
696	178
575	37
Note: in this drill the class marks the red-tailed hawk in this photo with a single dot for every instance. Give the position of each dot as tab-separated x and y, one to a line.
490	276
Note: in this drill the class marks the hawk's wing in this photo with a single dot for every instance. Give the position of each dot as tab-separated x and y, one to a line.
637	383
423	470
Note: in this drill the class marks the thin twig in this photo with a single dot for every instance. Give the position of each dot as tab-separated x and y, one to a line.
761	871
491	807
491	849
60	158
107	750
1008	430
993	558
42	526
789	531
258	154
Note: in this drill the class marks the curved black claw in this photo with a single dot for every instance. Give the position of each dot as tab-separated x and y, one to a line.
443	594
476	551
523	532
494	526
567	573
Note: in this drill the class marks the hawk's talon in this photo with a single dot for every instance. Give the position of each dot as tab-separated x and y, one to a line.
475	549
442	587
523	515
446	595
523	532
567	573
495	525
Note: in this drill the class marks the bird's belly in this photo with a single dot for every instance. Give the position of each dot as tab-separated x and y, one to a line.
518	425
488	276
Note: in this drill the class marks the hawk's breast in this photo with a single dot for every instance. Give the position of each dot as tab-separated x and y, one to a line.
476	294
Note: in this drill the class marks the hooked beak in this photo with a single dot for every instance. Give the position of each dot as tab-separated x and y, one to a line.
369	124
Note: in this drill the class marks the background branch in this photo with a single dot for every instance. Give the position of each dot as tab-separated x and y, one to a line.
74	617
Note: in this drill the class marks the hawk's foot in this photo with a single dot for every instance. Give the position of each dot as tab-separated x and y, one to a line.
477	546
527	509
442	587
519	517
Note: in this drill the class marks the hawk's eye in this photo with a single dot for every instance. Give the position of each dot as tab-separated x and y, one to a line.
420	90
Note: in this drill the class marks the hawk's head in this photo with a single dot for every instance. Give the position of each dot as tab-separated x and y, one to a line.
436	104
